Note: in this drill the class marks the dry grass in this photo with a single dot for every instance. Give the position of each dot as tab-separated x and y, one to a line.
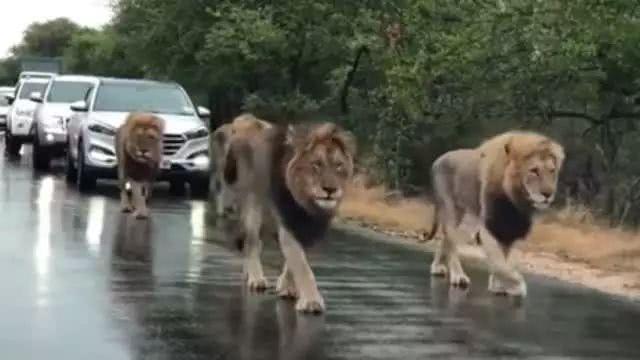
371	205
572	233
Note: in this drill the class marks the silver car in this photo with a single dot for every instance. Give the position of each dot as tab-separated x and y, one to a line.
93	124
20	116
53	112
4	104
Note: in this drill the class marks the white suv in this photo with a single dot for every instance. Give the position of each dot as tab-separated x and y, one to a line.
53	112
20	117
93	124
4	104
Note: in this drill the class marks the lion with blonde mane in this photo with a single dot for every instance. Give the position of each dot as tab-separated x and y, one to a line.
499	185
297	175
138	153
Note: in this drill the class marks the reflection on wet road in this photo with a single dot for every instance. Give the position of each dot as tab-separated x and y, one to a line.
82	281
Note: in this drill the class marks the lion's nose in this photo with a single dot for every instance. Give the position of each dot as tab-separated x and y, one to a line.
330	190
547	193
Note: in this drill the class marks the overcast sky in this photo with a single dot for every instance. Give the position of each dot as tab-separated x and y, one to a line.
18	14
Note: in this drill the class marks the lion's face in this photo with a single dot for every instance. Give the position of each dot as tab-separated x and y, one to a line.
144	143
321	167
535	173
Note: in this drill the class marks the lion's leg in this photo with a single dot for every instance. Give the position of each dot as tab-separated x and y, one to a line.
439	264
457	276
125	201
254	274
309	299
503	278
286	286
141	211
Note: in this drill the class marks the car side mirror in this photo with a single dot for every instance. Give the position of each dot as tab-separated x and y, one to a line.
10	98
203	112
35	97
79	106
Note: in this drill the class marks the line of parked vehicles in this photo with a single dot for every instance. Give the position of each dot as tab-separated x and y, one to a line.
76	117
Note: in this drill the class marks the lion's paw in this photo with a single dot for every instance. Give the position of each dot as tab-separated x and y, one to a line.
257	284
286	289
311	306
497	287
459	280
439	269
126	208
141	215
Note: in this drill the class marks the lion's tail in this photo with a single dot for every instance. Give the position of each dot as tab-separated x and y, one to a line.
434	227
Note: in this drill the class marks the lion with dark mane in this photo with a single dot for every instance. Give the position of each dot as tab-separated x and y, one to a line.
499	185
297	175
138	153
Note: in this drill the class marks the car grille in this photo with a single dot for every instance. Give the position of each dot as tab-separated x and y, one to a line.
172	143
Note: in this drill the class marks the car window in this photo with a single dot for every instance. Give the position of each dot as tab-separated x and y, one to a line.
157	98
68	92
30	87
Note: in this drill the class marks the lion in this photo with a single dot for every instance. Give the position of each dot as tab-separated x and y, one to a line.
500	185
138	154
243	126
297	174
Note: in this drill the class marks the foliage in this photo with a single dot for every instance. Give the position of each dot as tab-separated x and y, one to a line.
412	78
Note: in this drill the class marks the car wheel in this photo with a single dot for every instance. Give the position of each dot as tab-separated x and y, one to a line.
11	145
71	173
40	157
86	180
199	187
176	187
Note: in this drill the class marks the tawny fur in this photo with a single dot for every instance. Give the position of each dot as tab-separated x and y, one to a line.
499	185
138	153
296	175
229	186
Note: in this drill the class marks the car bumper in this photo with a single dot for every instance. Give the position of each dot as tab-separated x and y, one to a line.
52	137
191	161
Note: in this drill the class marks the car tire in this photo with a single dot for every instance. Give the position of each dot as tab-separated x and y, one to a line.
71	173
176	187
11	145
199	187
40	158
86	181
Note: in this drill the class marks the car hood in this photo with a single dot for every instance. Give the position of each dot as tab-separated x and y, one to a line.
174	124
57	109
24	104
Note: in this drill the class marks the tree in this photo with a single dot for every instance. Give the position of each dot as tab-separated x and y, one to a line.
48	38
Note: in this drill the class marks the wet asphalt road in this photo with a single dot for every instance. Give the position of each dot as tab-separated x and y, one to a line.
82	281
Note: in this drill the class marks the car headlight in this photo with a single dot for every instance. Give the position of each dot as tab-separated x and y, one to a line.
101	129
198	133
24	112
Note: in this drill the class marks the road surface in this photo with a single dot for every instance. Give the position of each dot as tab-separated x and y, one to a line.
82	281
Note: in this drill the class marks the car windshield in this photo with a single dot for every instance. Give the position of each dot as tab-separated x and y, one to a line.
30	87
68	91
156	98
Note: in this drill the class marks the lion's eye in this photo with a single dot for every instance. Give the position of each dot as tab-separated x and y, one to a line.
340	167
535	171
316	165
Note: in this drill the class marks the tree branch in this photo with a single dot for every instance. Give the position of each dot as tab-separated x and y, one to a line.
344	93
